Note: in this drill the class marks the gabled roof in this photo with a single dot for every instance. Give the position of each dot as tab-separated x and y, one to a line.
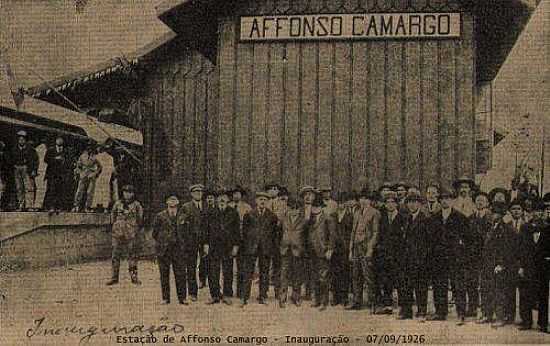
100	70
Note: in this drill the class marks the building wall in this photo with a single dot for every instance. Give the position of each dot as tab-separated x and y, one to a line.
345	113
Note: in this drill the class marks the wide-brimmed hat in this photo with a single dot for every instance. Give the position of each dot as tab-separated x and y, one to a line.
22	133
496	190
386	185
307	189
196	187
172	201
263	194
464	180
238	188
271	185
401	184
368	194
516	201
481	193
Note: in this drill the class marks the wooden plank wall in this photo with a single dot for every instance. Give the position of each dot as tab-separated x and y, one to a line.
180	125
344	114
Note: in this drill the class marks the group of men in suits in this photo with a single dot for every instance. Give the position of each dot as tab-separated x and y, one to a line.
480	247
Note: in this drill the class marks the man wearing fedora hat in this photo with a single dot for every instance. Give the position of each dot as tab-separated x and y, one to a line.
168	245
464	187
258	242
127	220
364	239
195	230
242	209
25	163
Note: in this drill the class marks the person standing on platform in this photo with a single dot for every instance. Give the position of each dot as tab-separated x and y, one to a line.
195	230
168	249
211	207
103	195
533	242
480	224
542	265
242	209
364	239
499	266
25	164
223	243
259	235
321	230
413	261
307	194
5	169
340	263
127	220
392	224
516	220
292	249
87	170
58	177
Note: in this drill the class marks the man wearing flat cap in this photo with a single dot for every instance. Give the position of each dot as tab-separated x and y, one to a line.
127	220
463	203
413	261
25	164
258	242
194	228
168	247
364	239
499	267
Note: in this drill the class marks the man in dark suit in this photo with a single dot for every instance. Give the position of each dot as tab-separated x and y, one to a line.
413	261
320	244
499	266
480	225
542	264
364	239
392	225
533	248
259	239
168	249
210	199
223	241
194	231
292	249
58	177
307	194
340	263
448	234
25	165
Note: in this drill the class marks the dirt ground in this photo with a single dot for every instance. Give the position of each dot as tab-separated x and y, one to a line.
72	305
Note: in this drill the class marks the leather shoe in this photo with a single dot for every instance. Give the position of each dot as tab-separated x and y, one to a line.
498	324
227	301
460	321
484	320
262	301
322	307
213	301
353	307
112	282
436	318
193	298
315	305
243	304
524	327
282	305
184	302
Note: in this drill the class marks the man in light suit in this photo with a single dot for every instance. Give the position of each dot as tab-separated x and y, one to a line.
364	237
292	250
195	228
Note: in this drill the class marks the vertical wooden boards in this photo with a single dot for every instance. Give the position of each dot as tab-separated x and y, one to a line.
292	149
275	127
212	131
446	106
226	65
243	102
377	113
309	111
466	77
200	110
189	129
430	116
259	116
359	114
393	96
413	113
341	126
324	114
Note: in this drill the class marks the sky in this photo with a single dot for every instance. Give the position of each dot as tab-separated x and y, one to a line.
52	39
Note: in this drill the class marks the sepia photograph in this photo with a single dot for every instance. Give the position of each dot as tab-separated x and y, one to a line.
274	172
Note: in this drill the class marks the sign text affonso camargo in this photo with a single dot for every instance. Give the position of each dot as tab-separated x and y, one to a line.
351	26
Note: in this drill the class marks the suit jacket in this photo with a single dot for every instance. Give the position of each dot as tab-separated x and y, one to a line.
58	167
293	234
193	226
430	210
224	231
480	227
259	233
26	156
364	235
500	248
321	234
414	245
164	232
389	240
344	228
449	240
532	254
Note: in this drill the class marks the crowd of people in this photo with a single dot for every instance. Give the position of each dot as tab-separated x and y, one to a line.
388	245
58	177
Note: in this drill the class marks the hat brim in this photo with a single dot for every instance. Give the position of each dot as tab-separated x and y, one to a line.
459	182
